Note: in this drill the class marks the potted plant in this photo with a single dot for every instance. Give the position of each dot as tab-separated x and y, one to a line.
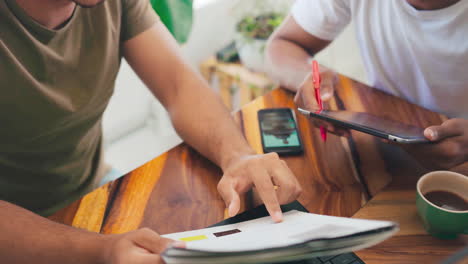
255	27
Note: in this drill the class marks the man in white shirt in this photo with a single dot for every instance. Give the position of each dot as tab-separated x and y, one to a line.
414	49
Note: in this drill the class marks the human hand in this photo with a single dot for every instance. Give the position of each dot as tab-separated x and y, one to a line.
305	97
264	172
449	146
142	246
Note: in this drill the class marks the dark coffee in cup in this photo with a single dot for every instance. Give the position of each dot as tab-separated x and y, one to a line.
442	202
447	200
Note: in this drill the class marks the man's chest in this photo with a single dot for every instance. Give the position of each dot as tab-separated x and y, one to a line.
66	83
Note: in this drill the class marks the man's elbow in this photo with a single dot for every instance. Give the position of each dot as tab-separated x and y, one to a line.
269	46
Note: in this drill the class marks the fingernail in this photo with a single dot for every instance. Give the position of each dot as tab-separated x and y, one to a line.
431	134
278	217
179	244
326	96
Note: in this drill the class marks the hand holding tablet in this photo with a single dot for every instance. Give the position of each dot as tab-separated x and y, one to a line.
370	124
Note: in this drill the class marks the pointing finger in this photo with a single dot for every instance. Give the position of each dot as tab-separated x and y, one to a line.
267	192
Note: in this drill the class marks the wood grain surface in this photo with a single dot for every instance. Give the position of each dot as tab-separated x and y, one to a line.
325	171
412	244
177	191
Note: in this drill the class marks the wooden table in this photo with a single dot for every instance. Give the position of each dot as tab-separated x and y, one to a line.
360	177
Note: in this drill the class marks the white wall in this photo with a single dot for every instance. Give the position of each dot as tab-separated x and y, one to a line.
213	28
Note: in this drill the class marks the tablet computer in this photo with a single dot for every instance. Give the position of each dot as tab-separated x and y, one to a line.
371	124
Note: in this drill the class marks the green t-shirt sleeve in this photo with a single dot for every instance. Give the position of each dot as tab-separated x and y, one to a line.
137	16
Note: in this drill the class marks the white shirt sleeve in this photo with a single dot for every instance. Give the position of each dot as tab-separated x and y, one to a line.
324	19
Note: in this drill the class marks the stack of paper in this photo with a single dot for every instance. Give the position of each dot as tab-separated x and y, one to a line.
299	236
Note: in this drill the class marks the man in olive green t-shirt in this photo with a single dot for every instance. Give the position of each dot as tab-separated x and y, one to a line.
58	64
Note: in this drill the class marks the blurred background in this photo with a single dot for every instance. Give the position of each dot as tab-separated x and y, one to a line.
212	35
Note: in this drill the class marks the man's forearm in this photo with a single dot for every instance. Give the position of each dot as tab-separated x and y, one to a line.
203	121
28	238
289	51
287	63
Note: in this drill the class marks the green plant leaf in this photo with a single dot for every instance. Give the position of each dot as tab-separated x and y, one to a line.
261	26
177	15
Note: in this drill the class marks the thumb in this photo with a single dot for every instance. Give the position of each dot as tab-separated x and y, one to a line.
431	133
230	197
327	86
326	91
151	241
447	129
147	259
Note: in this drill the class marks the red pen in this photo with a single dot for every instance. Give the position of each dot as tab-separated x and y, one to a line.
317	82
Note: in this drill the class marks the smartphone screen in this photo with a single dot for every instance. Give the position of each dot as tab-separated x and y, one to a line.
279	131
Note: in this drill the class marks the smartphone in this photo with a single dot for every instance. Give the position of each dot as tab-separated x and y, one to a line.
370	124
279	131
